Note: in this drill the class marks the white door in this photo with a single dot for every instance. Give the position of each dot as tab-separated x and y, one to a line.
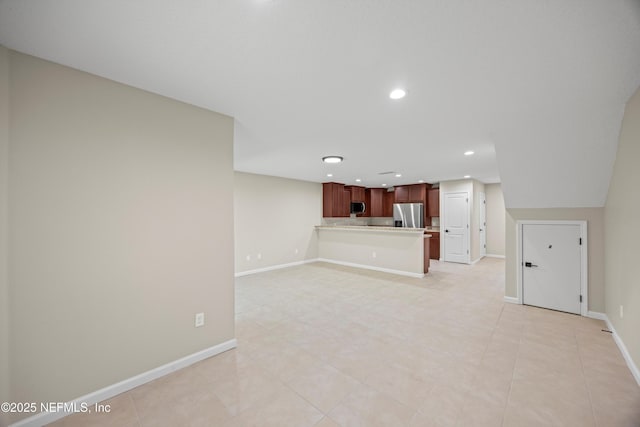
552	266
483	224
456	227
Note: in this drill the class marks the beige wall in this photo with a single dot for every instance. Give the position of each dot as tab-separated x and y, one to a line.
595	236
4	285
398	251
622	229
121	213
274	217
495	219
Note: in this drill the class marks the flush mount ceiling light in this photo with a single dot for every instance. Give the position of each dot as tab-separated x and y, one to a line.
468	153
398	94
332	159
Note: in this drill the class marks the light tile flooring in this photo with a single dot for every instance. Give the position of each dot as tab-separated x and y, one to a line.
323	345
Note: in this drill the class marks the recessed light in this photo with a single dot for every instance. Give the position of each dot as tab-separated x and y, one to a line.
332	159
468	153
421	181
398	94
467	176
329	175
384	185
358	180
398	175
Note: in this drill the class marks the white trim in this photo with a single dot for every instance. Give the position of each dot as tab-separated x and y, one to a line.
130	383
371	267
495	256
597	315
476	261
275	267
584	259
623	349
511	300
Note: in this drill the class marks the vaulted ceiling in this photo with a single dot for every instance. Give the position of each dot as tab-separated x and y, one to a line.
536	89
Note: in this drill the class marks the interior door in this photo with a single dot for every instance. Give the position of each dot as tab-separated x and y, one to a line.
483	224
456	227
552	266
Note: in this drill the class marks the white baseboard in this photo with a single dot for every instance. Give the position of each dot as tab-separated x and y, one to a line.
511	300
371	267
475	261
495	256
275	267
115	389
597	315
623	349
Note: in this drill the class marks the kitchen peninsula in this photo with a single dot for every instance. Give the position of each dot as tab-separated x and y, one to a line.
395	250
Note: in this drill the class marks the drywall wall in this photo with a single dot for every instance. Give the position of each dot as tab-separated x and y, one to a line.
478	187
622	233
121	229
274	221
4	275
595	235
376	249
495	219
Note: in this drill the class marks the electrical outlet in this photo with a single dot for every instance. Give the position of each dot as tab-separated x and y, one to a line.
199	319
621	311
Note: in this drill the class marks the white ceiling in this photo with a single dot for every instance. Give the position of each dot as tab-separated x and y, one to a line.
536	88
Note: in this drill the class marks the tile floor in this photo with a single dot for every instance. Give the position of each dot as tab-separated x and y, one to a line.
323	345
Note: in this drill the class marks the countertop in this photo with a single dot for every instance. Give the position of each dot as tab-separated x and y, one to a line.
372	228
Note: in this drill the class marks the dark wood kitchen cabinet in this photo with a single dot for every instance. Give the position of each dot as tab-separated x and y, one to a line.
357	193
374	198
418	194
401	194
388	200
433	205
336	200
434	245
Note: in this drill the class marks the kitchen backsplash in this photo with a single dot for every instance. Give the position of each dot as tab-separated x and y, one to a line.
435	221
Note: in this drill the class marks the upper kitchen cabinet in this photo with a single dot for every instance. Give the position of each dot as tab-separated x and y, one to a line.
418	193
336	200
357	193
387	203
433	205
401	194
375	201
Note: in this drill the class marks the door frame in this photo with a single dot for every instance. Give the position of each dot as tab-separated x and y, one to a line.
443	225
483	224
584	261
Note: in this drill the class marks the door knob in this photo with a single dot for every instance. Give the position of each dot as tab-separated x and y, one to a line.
446	231
528	264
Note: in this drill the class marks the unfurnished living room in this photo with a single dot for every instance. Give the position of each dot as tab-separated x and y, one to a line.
332	214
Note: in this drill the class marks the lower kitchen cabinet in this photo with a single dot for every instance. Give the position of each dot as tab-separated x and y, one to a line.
434	245
427	255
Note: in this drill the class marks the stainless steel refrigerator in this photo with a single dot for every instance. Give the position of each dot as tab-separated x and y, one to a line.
408	215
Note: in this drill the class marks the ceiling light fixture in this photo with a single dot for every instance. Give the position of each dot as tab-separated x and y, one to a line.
332	159
421	181
398	175
398	94
384	185
467	176
358	180
329	175
468	153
